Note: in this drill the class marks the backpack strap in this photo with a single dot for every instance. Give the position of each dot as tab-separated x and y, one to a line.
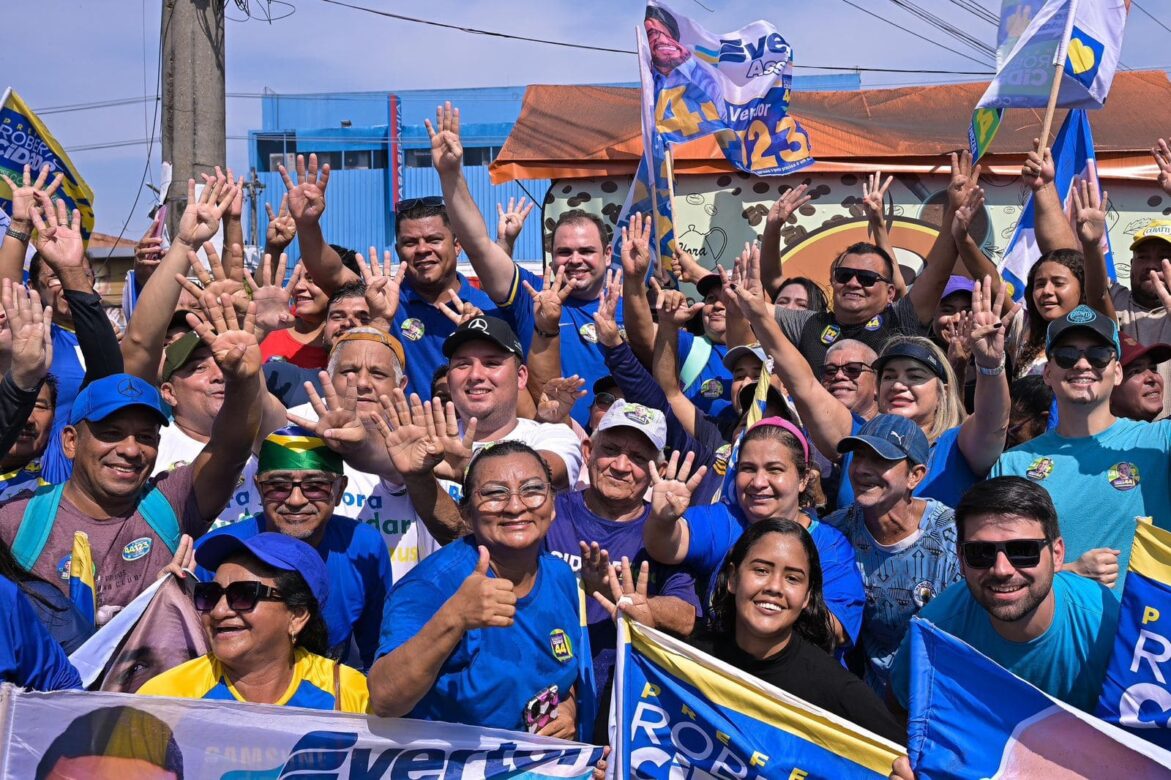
158	513
39	516
701	350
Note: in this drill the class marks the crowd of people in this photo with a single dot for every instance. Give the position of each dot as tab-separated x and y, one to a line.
390	490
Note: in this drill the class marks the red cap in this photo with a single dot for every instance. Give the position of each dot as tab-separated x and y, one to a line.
1132	351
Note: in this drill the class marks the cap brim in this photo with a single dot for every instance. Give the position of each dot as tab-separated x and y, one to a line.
101	413
1137	241
214	550
881	447
708	283
735	353
461	337
1158	353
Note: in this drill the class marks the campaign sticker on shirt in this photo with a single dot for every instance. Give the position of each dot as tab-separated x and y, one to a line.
712	388
1123	476
63	566
1040	469
412	329
136	549
830	334
562	647
589	332
874	324
923	593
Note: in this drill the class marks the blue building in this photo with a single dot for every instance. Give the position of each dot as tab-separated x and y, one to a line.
379	153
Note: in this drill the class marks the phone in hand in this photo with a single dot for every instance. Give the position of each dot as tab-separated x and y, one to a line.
541	709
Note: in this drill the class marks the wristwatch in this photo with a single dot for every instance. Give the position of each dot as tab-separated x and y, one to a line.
994	371
19	236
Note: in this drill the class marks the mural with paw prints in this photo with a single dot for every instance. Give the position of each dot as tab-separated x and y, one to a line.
716	214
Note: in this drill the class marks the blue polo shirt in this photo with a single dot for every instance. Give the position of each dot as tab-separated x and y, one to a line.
69	371
580	352
422	329
711	390
359	579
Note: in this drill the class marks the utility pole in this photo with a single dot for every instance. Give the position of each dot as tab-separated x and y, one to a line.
254	186
193	116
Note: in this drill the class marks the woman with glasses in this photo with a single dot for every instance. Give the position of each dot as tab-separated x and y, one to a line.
489	629
262	614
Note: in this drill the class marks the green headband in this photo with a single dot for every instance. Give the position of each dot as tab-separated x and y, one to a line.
289	450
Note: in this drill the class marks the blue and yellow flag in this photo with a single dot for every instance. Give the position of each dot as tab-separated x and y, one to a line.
24	140
82	591
971	717
678	712
1136	694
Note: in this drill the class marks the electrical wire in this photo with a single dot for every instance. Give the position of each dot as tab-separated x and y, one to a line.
884	20
946	27
977	10
1150	15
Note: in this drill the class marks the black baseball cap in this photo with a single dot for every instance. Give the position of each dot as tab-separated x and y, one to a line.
913	351
708	283
491	329
1085	319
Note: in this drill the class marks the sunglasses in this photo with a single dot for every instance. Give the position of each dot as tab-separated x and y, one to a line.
242	596
852	370
1098	356
406	204
865	278
605	400
314	489
1021	553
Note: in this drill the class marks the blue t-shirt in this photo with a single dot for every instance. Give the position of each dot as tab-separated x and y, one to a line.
574	523
69	371
1100	484
900	579
1068	661
948	474
714	529
422	329
711	390
359	579
494	672
580	352
29	656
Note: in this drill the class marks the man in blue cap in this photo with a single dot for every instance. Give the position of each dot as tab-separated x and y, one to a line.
134	527
1103	473
905	546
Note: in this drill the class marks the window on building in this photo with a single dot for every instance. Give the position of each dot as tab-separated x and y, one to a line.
474	156
274	150
417	158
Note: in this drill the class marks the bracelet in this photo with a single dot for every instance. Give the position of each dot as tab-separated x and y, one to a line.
994	371
19	236
546	334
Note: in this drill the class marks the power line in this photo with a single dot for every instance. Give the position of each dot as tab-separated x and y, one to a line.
944	26
978	11
898	26
1150	15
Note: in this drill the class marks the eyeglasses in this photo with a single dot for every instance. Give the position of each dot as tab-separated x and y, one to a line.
1021	553
1098	356
852	370
494	499
605	400
314	488
406	204
242	596
864	277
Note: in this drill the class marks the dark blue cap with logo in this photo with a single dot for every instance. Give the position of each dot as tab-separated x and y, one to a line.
1083	318
103	397
272	549
913	351
892	437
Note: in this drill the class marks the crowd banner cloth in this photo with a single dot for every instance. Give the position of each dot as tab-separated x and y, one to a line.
82	591
971	717
678	712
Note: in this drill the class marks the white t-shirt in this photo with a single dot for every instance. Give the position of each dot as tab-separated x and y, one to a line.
557	438
371	499
177	449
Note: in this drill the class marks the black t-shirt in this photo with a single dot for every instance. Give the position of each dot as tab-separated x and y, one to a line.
814	332
811	674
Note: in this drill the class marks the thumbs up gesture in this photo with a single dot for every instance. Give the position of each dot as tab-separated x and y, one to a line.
483	601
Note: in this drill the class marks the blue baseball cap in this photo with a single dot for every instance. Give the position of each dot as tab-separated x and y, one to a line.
1085	319
273	549
892	437
103	397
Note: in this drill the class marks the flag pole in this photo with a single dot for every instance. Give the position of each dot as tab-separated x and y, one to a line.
1059	58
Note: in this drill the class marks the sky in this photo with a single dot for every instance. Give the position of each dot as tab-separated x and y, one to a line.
108	51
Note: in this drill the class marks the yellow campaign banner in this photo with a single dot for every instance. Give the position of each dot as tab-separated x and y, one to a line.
24	140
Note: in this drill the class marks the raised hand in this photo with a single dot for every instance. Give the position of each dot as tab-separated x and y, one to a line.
791	200
671	493
58	236
281	228
956	332
456	309
986	339
182	561
148	252
232	342
606	316
673	306
457	450
558	398
1038	170
964	177
512	220
270	298
447	151
31	341
744	288
636	247
337	423
213	278
306	198
626	595
874	195
410	434
483	601
1089	208
548	302
382	289
689	270
966	212
24	195
1099	564
595	567
1159	280
201	218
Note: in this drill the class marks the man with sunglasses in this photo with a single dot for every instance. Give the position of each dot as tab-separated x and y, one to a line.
1104	473
301	482
606	393
1019	606
849	376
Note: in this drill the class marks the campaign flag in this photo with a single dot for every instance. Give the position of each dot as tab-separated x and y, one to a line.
24	140
229	740
1136	694
677	712
82	592
727	490
1073	153
735	85
971	717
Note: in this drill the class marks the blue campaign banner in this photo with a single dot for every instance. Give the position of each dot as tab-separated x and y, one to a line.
971	717
1136	694
680	713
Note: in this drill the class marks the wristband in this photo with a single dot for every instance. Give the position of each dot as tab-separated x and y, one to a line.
19	236
546	334
994	371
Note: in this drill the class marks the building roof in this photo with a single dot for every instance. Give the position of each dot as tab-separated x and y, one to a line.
903	129
102	245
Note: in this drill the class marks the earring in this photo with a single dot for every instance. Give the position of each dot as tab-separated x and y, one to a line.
293	638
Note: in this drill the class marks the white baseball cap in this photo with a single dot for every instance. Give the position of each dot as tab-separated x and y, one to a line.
649	422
